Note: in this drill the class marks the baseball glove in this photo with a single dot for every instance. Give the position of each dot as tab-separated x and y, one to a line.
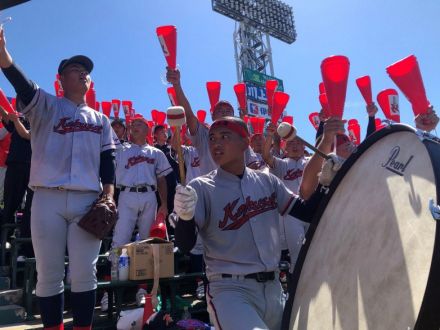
101	217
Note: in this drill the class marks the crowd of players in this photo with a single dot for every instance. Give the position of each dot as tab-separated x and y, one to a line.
247	206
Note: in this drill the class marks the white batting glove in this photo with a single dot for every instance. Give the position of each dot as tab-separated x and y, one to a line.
185	201
330	168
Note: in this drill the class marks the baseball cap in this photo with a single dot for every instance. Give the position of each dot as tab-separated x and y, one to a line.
79	59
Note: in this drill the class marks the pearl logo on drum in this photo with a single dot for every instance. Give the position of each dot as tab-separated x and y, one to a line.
394	165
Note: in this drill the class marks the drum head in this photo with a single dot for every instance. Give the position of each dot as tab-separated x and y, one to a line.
368	263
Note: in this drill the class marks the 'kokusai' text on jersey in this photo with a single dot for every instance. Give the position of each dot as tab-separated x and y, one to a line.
67	140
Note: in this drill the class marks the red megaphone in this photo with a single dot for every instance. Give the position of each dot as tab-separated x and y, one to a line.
271	86
334	70
379	124
213	88
246	119
168	41
148	309
161	116
324	104
97	106
354	131
364	85
406	75
91	98
321	88
116	104
4	102
154	113
201	116
106	108
240	91
126	106
159	228
388	100
280	100
257	125
288	119
314	119
172	95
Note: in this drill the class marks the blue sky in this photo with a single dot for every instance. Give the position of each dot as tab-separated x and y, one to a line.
120	38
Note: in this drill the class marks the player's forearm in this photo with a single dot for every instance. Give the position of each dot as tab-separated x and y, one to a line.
5	58
21	130
107	168
24	88
267	156
185	235
108	189
304	209
371	128
191	119
163	191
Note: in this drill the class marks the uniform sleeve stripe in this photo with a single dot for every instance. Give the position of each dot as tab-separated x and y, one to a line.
169	168
289	204
33	103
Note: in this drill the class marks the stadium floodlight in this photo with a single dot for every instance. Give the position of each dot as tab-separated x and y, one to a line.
270	16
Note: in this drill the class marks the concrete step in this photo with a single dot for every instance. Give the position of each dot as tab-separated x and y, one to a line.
5	283
12	314
11	297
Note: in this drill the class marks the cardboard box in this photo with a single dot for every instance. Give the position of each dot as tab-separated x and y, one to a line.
141	259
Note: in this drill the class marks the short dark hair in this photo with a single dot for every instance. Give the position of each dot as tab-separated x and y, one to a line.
158	127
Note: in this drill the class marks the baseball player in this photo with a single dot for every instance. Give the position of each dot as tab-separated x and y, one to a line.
198	131
140	171
289	170
72	163
235	211
257	142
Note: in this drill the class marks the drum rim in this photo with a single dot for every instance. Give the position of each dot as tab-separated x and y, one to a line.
361	148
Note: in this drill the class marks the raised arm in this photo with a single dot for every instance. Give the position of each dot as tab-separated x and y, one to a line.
371	110
267	155
24	88
173	76
309	182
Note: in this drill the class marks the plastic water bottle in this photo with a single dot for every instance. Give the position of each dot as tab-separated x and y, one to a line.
186	314
114	265
123	268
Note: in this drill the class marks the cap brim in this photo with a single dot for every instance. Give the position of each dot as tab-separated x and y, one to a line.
78	59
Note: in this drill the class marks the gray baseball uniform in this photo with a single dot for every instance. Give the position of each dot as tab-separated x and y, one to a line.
137	166
67	140
237	219
293	230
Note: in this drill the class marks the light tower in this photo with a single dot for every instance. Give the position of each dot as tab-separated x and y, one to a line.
255	22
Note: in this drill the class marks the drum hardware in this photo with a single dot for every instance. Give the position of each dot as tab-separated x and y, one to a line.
435	209
422	135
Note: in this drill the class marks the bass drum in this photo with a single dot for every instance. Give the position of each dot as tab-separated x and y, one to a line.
371	258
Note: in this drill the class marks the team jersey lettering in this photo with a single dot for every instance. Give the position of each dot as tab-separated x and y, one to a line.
138	159
293	175
245	211
65	126
195	162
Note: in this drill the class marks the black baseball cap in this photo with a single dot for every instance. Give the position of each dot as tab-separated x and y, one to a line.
79	59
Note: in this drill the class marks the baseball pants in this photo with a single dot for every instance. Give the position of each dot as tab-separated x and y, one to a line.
134	208
54	218
245	304
293	231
